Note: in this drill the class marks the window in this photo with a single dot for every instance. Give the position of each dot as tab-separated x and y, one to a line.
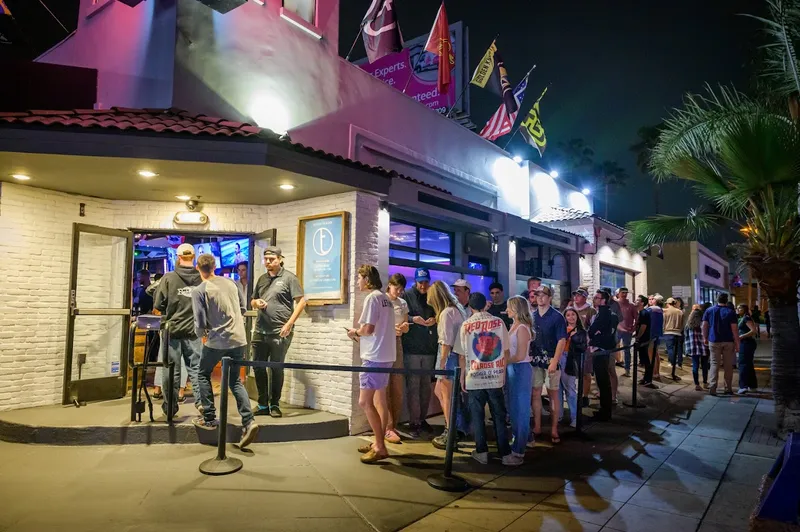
611	277
305	9
412	242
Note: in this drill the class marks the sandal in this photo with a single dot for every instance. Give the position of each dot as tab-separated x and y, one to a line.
365	448
373	456
555	439
158	395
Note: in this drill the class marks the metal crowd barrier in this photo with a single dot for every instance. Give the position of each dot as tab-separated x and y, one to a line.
222	464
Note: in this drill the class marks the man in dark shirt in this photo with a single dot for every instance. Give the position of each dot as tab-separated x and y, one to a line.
642	335
602	335
499	306
722	334
143	300
279	299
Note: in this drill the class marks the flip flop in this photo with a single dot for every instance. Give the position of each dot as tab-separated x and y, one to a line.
555	440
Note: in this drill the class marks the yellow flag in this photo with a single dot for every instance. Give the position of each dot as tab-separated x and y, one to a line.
484	70
532	129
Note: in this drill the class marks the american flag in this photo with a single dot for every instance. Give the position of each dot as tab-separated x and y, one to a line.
501	123
4	9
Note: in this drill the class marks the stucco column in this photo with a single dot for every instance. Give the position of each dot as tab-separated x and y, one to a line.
506	263
383	244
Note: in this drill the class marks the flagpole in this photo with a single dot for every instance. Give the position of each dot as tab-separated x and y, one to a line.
355	41
505	148
464	90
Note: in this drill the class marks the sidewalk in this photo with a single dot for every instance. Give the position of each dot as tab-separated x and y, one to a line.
676	465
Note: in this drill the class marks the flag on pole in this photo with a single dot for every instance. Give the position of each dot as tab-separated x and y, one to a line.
4	9
381	30
491	72
532	129
502	122
439	43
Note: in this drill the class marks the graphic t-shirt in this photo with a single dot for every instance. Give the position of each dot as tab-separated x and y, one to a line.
485	340
380	346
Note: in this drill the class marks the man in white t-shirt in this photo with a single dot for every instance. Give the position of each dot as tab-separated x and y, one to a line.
485	342
376	338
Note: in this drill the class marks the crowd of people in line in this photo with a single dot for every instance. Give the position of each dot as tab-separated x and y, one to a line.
520	356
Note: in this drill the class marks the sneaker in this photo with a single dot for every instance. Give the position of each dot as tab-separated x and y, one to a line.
642	382
573	424
698	388
414	432
676	378
512	459
705	386
627	373
392	437
248	435
275	411
531	441
651	386
440	442
620	364
481	458
615	401
372	456
425	427
261	411
201	423
200	408
742	391
727	392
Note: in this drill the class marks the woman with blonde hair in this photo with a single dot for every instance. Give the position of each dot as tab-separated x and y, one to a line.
519	373
448	327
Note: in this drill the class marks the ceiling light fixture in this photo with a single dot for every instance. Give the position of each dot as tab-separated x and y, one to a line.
147	173
21	177
286	186
183	197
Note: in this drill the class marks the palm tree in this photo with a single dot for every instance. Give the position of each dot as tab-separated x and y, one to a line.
743	156
648	137
610	174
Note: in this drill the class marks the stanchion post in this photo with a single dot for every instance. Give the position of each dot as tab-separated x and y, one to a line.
579	401
222	464
447	481
635	386
172	401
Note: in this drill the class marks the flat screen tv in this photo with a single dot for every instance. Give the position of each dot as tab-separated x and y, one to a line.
234	251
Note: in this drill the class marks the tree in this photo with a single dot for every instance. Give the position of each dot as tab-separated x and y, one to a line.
648	138
572	158
743	156
610	174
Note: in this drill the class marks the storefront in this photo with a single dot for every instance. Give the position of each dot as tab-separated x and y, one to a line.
688	270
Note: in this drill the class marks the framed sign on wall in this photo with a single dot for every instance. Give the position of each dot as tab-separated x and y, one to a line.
322	257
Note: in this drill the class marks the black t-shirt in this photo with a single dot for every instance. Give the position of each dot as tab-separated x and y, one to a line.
643	319
501	311
279	292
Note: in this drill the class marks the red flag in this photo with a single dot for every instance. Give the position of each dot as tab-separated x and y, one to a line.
439	44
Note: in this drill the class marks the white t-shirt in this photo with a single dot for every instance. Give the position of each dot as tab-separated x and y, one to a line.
381	345
448	327
485	340
400	310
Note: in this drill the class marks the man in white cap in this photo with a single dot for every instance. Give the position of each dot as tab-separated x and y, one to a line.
462	291
173	299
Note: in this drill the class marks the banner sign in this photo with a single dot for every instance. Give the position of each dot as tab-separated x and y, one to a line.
395	70
322	258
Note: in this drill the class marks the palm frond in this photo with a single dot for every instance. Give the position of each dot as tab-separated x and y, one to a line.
782	29
695	130
663	228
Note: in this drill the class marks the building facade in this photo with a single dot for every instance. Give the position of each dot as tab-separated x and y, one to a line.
417	188
688	270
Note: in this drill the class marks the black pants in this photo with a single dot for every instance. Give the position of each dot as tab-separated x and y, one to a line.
747	369
600	365
269	348
647	364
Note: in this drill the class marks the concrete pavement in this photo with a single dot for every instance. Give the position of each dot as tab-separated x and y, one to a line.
681	463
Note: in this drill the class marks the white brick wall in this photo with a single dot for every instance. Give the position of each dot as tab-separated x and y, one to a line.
36	225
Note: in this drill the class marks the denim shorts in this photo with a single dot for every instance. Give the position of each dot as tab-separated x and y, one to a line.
450	364
374	381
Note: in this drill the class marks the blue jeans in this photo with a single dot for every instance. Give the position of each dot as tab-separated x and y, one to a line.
569	387
208	361
626	338
747	368
477	406
519	386
699	362
671	342
188	351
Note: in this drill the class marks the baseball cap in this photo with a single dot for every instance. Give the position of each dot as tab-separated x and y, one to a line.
477	301
273	250
463	283
422	274
544	289
581	291
185	250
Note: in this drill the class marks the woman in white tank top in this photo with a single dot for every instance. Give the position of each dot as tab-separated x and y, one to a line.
519	375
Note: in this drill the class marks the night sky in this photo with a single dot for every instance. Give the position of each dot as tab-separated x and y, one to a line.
613	66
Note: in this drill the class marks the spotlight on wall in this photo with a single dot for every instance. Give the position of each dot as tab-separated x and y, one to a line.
21	177
517	159
585	191
553	173
147	173
183	197
286	186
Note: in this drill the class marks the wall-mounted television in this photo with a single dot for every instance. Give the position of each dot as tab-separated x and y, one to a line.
234	251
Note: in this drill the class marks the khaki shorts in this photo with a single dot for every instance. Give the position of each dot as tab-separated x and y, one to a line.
541	378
